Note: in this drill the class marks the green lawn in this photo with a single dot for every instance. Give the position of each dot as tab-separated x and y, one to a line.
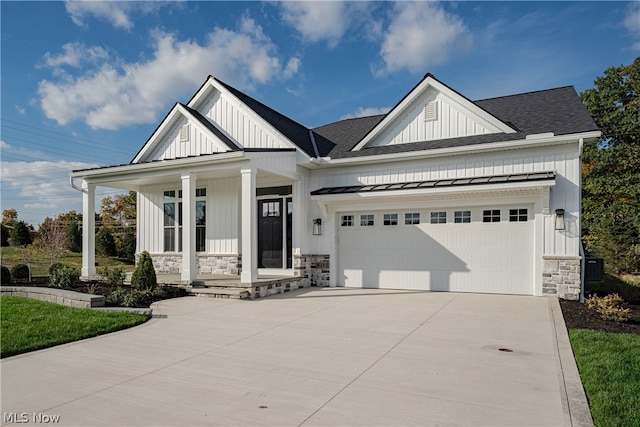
609	367
27	324
40	267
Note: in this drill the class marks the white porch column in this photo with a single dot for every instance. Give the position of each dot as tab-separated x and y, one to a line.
249	227
189	266
88	229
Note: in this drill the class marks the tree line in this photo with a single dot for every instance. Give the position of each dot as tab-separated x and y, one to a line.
115	231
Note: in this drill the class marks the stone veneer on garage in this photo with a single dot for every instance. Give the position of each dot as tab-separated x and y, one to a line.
561	276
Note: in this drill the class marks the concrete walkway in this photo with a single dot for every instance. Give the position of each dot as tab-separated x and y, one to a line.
313	357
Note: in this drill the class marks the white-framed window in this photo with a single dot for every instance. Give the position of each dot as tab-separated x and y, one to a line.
347	221
518	215
439	217
173	220
491	215
462	217
390	219
411	218
366	220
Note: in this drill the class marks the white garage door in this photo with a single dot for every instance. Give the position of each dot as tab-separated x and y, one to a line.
486	250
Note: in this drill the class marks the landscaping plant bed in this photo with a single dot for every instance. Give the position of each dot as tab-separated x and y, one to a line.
579	316
126	295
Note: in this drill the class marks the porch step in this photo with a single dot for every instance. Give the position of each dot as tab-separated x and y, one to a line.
219	292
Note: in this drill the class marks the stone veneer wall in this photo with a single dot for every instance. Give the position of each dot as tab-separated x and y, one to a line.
312	269
561	276
207	263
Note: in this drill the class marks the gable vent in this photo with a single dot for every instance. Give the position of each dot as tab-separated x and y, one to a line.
184	133
430	111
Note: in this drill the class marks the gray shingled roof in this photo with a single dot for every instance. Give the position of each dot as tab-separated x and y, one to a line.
554	110
557	110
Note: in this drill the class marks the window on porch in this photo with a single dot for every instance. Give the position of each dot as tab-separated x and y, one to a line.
173	220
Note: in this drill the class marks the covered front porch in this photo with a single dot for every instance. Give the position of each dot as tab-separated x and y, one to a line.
209	208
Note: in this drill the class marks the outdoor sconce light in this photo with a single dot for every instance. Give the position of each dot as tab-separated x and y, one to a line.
559	219
317	227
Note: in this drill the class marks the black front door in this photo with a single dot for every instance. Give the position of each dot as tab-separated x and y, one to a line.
270	223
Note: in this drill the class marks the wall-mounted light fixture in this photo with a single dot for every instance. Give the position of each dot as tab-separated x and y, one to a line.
317	227
559	219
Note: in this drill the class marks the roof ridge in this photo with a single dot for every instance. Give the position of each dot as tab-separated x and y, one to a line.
525	93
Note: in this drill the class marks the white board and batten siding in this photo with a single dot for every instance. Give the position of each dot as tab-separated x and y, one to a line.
222	215
244	126
431	117
186	138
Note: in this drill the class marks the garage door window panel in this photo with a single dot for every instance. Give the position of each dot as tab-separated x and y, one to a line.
411	218
491	215
518	215
390	219
462	217
439	217
367	220
347	221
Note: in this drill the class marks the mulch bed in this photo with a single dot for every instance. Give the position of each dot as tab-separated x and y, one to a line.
579	316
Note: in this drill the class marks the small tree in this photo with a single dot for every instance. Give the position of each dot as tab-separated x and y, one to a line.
144	276
20	235
52	239
105	243
4	240
74	237
128	245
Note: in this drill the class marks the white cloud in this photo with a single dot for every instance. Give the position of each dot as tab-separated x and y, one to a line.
4	145
116	94
366	112
421	35
118	13
41	183
318	20
632	22
74	54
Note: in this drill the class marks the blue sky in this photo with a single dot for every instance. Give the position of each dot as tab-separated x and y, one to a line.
85	83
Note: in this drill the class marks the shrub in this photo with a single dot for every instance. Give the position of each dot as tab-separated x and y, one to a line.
144	276
74	237
609	307
139	298
6	276
20	272
117	297
113	276
54	267
64	276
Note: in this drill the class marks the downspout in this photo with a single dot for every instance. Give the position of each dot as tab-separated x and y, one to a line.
582	256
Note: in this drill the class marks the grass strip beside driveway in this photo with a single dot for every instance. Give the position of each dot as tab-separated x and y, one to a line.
609	366
28	325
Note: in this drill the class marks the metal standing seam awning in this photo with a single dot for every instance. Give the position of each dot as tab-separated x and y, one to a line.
531	177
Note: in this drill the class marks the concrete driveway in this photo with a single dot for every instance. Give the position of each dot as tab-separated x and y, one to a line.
313	357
